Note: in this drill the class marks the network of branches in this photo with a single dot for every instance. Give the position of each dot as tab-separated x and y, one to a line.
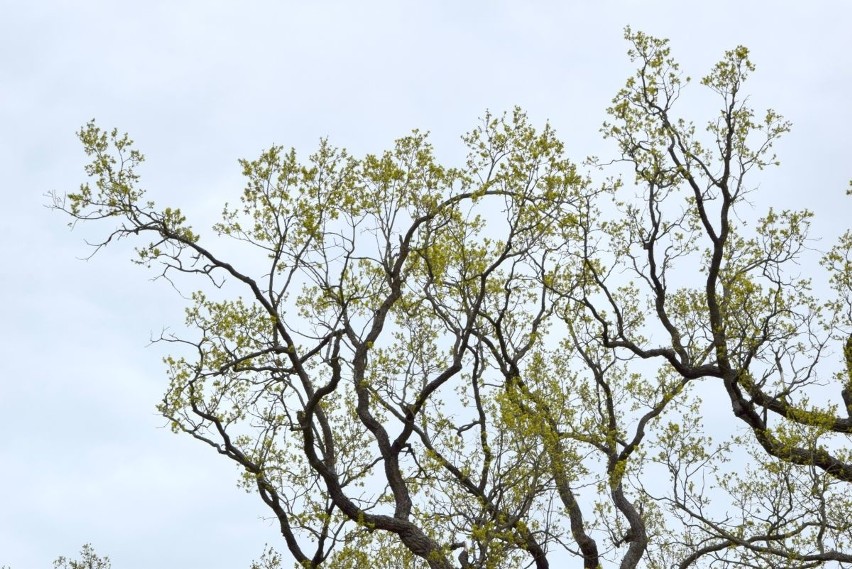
521	361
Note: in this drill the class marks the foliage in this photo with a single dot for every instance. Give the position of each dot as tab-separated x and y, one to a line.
88	560
503	364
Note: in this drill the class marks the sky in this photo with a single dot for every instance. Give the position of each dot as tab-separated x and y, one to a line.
199	84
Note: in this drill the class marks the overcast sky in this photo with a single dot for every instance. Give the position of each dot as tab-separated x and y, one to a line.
199	84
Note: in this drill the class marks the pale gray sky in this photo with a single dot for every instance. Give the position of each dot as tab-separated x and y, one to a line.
199	84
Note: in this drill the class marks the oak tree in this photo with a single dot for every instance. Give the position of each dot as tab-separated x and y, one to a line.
503	363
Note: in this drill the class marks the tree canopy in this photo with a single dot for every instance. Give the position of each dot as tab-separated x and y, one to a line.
88	560
503	363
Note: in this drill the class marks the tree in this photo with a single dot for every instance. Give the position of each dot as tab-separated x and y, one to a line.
502	364
88	560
